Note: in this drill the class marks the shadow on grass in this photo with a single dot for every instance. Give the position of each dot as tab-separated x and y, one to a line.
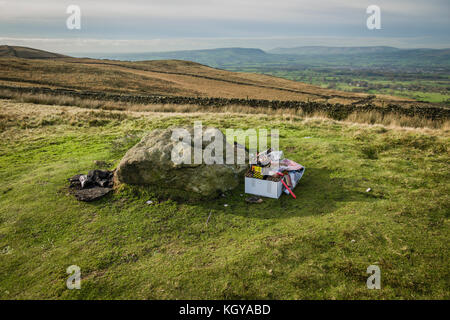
317	193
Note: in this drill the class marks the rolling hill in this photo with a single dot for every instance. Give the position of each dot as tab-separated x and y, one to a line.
300	57
211	57
418	74
161	77
27	53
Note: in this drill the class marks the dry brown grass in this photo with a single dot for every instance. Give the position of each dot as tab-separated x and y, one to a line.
371	117
170	78
17	116
395	120
63	100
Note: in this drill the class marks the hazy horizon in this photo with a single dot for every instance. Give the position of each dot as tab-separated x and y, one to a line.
154	26
57	48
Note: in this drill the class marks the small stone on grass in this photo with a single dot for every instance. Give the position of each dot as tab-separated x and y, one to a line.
253	200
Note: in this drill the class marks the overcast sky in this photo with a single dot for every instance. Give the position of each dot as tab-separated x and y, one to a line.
111	26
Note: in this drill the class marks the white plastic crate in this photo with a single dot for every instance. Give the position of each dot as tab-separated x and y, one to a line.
263	188
266	188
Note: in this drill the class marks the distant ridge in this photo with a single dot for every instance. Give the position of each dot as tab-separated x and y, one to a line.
212	57
238	59
231	51
308	50
27	53
349	51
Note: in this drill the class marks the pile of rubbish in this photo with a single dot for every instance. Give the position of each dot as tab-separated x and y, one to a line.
92	186
271	166
149	164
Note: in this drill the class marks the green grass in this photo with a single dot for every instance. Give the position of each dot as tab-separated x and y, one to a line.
280	249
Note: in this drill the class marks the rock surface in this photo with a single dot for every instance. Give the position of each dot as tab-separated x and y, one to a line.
149	163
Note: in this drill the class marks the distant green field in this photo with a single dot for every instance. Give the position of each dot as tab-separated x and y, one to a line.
315	247
427	87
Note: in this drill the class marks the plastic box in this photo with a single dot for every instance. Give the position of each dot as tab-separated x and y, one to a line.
264	188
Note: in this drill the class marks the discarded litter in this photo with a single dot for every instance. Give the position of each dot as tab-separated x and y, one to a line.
285	184
272	174
91	186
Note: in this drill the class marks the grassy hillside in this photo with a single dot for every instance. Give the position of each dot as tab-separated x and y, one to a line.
419	74
167	77
317	246
27	53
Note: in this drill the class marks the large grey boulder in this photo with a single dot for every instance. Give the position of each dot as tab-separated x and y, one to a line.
150	163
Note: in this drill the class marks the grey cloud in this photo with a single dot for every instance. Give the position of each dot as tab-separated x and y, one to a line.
231	19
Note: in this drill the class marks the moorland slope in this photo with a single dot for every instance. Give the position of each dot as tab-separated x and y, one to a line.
25	67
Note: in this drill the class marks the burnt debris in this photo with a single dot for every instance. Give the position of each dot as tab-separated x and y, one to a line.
91	186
